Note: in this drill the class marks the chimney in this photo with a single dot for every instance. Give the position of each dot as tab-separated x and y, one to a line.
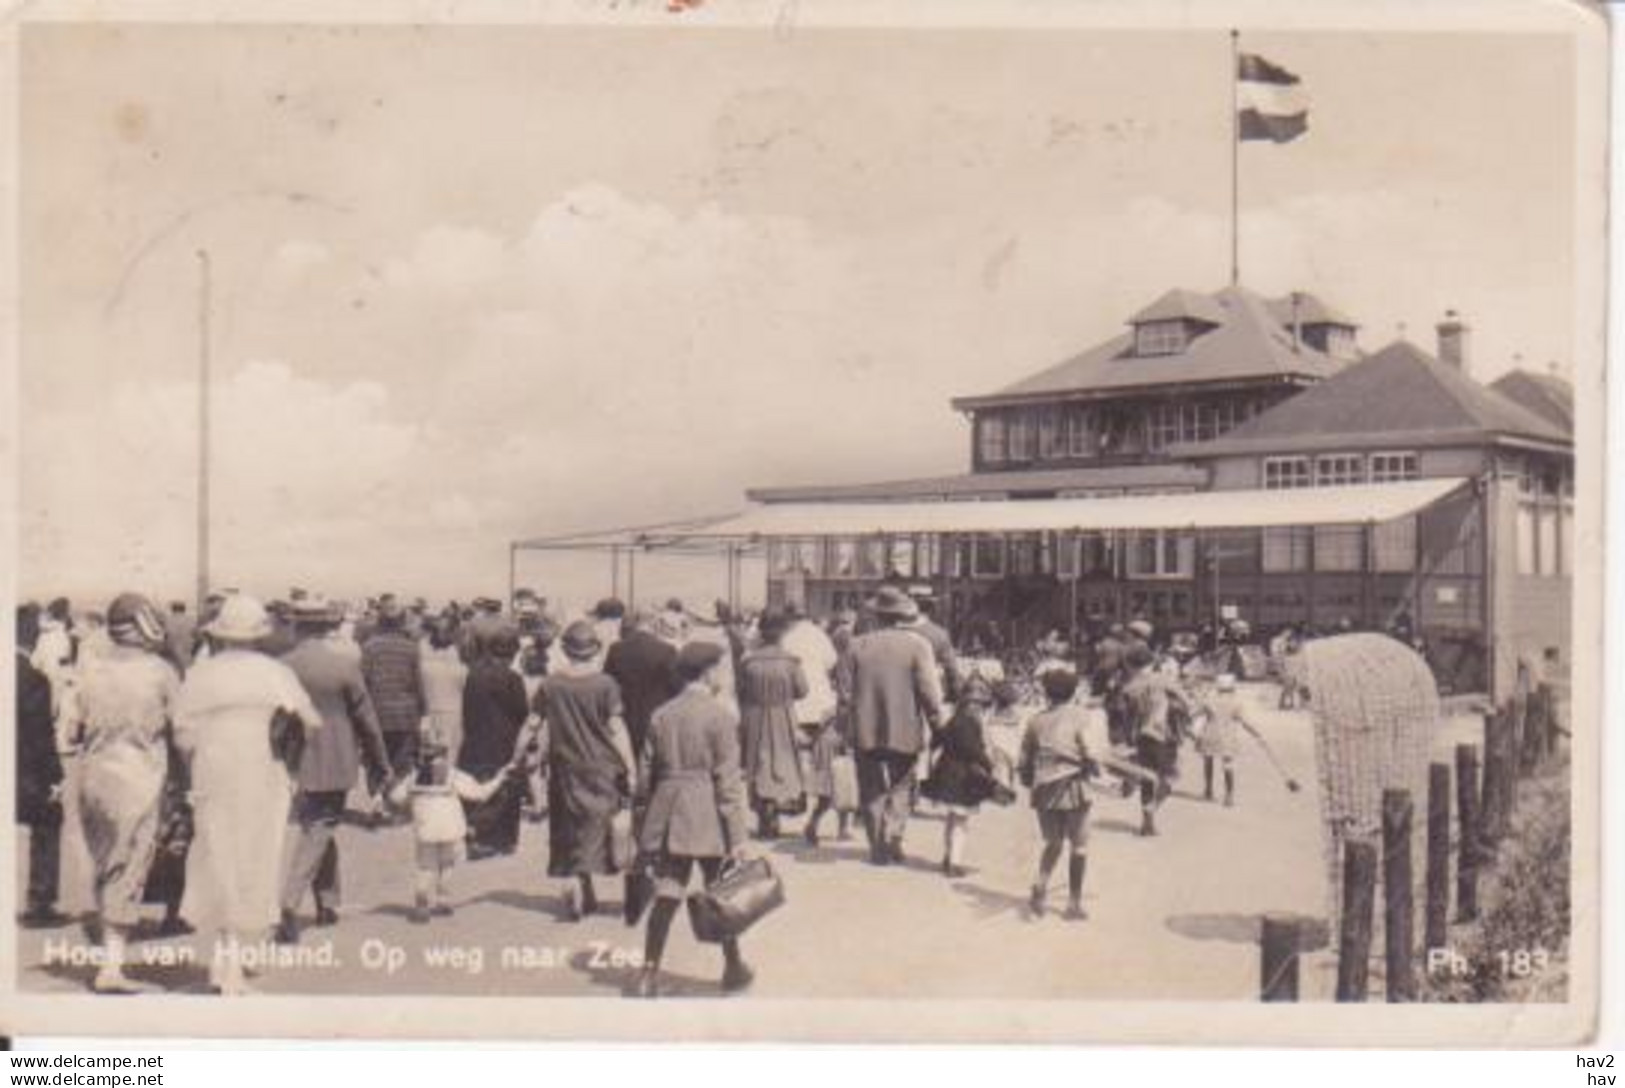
1453	337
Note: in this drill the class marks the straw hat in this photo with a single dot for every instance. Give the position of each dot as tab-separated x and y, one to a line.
241	619
1225	682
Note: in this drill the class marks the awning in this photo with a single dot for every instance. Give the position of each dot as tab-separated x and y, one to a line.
1356	504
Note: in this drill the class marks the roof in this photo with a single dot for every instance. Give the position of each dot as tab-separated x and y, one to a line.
1356	504
1312	310
1547	395
992	484
1399	396
1180	303
1250	346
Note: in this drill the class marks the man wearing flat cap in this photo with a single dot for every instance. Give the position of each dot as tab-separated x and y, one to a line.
891	691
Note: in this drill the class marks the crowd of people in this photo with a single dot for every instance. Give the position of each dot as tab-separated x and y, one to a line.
648	739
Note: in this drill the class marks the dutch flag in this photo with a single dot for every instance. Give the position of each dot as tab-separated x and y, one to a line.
1270	100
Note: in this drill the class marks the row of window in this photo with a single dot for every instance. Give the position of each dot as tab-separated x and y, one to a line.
1068	432
1157	554
1339	469
1545	538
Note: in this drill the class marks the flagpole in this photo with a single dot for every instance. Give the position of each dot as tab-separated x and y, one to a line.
1235	160
205	302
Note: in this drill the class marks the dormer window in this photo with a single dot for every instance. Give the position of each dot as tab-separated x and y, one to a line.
1161	337
1334	340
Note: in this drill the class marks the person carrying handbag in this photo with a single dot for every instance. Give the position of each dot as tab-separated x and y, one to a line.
694	815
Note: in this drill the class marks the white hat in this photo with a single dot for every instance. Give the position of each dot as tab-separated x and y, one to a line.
1225	682
241	619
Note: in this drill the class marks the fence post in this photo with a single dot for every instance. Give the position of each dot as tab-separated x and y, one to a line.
1279	945
1435	933
1467	845
1497	794
1359	904
1398	899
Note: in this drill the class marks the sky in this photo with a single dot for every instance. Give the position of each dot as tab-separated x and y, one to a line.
475	284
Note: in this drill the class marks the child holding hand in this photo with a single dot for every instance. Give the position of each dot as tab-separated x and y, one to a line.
434	795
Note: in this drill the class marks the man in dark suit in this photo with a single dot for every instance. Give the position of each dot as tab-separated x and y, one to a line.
889	684
645	666
334	753
39	779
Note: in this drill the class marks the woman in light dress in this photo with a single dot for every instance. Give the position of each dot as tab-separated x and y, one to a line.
118	714
237	722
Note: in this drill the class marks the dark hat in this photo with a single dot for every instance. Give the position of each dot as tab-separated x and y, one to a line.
891	601
581	641
610	608
1059	684
133	621
696	657
487	604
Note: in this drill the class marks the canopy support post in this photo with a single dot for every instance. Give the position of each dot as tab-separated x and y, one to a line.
513	564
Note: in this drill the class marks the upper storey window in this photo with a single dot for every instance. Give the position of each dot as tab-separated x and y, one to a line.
1161	337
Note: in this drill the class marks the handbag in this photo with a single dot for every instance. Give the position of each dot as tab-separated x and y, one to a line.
737	900
843	773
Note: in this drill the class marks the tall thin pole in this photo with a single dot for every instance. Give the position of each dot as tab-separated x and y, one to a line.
205	303
1235	158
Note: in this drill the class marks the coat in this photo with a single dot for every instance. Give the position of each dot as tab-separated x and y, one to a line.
587	784
692	774
888	679
39	767
349	733
646	669
770	681
963	771
390	662
494	709
240	791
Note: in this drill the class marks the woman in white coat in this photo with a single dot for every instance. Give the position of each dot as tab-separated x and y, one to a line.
233	718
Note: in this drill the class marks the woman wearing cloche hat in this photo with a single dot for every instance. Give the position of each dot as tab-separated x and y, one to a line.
234	715
590	764
118	717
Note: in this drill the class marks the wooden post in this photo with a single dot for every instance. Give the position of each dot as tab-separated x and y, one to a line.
1494	796
1279	944
1468	844
1398	901
1436	930
1359	904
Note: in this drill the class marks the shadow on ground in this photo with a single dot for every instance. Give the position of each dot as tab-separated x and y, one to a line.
1245	928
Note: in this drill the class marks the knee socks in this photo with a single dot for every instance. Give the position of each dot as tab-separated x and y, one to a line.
654	939
1076	867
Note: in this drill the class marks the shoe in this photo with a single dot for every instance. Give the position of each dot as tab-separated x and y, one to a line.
1075	912
287	930
326	916
1148	825
879	855
418	916
737	977
648	983
44	918
1035	902
589	904
810	835
117	982
894	850
175	927
443	910
570	907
